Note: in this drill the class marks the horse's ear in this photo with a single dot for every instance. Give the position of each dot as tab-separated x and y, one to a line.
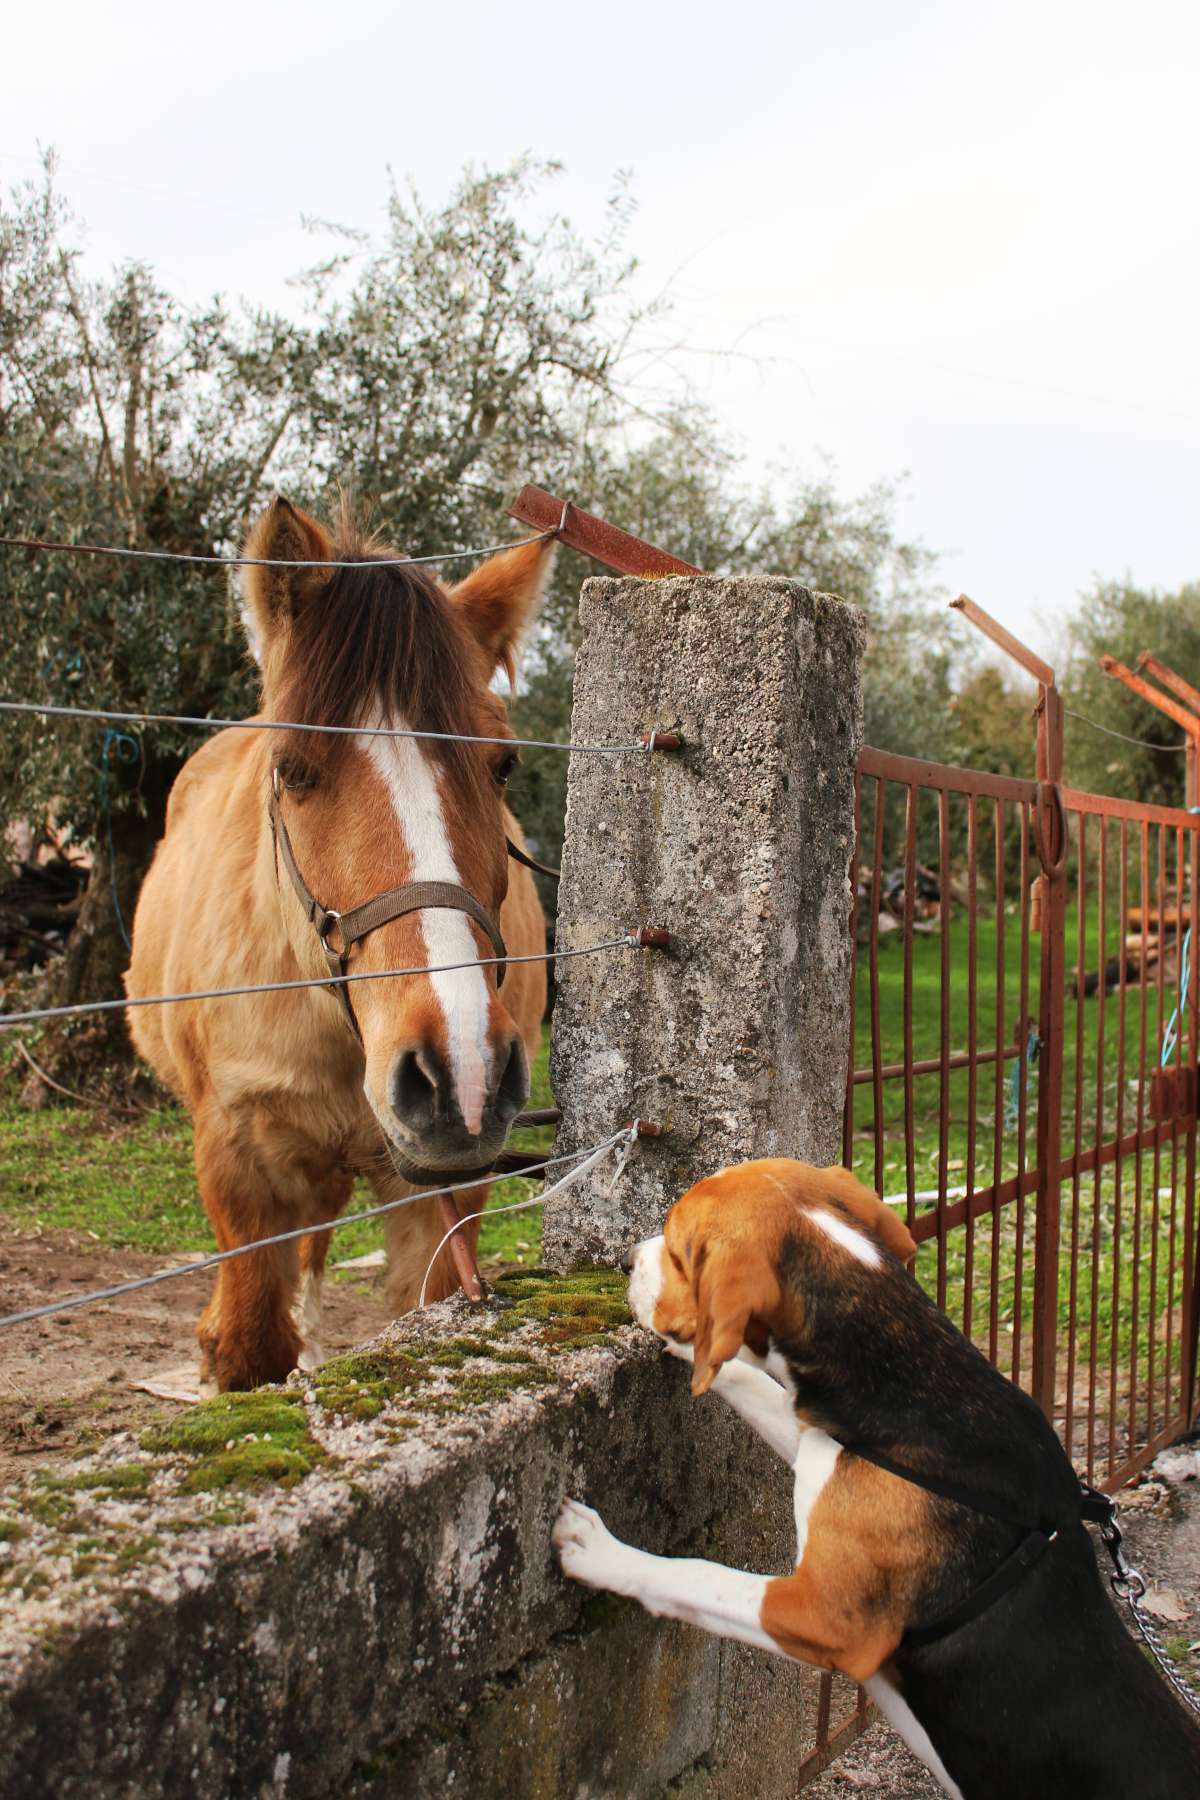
273	596
888	1226
499	598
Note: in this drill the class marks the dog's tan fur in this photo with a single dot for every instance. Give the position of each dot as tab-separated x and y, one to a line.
868	1537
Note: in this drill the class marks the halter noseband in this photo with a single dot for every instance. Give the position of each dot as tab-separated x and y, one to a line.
357	924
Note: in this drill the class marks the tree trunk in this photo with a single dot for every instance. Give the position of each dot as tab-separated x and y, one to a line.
95	1049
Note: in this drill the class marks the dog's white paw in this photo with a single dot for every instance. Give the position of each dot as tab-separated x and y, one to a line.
587	1549
674	1347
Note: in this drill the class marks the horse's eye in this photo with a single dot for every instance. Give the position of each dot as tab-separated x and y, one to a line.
505	768
297	776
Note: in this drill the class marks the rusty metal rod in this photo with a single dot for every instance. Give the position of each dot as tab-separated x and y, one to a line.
595	537
463	1254
992	628
1187	721
959	1059
1161	671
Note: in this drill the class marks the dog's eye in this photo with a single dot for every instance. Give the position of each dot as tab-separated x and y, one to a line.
502	770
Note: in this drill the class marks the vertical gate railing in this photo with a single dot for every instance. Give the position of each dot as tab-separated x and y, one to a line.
1023	1080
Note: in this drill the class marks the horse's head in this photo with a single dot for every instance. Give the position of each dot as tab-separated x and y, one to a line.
370	646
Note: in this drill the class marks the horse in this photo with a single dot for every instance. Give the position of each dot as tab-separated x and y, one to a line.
412	1081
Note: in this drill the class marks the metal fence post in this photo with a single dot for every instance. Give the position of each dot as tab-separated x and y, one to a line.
1052	847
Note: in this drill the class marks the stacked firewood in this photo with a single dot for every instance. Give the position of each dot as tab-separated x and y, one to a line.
38	907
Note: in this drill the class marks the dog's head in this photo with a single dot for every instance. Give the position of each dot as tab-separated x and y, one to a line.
713	1279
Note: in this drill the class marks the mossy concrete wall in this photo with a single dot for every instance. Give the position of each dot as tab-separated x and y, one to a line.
736	1038
391	1622
346	1587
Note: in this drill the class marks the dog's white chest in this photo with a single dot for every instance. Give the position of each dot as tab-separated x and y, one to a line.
816	1459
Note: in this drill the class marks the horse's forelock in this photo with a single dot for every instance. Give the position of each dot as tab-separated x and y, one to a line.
380	642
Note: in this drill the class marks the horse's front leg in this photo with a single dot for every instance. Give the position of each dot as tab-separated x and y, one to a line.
413	1234
247	1333
313	1251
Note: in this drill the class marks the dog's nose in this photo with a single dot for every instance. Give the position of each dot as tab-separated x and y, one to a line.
627	1261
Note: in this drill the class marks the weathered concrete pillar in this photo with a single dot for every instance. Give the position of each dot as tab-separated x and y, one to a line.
736	1038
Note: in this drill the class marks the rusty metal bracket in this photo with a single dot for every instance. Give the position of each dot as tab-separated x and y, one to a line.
595	537
648	937
1052	864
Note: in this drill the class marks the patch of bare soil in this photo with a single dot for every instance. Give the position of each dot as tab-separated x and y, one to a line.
66	1382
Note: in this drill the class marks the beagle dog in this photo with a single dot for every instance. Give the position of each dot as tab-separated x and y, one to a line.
941	1556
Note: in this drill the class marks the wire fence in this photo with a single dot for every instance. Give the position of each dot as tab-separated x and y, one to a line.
47	545
72	1302
633	938
630	940
107	716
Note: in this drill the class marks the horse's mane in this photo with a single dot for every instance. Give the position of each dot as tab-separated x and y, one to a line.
379	643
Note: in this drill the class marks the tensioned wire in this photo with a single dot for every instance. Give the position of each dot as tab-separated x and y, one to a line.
269	562
627	942
593	1155
1139	743
389	731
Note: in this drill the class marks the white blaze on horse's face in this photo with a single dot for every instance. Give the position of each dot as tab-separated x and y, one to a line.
463	995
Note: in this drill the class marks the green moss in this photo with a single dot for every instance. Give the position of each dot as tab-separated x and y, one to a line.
11	1530
474	1390
140	1549
240	1440
573	1311
50	1507
359	1386
121	1478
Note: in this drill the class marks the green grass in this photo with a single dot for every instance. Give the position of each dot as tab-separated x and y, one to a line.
134	1187
1103	1289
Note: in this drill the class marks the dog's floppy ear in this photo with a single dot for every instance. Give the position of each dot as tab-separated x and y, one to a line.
736	1291
887	1226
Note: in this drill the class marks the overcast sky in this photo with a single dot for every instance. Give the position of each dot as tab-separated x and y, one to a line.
955	240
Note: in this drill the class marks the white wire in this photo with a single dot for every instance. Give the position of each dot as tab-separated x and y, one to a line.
282	1237
628	942
105	716
626	1137
267	562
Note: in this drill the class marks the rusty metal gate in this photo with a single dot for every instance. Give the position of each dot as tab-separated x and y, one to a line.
1023	1083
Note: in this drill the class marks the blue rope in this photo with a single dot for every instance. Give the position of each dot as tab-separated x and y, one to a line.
1012	1111
1171	1031
128	751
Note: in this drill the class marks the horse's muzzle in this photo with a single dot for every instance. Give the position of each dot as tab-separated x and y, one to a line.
434	1137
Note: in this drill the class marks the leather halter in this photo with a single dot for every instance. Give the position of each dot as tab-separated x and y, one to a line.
353	926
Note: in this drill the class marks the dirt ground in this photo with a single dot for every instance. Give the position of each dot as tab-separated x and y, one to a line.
67	1382
1160	1518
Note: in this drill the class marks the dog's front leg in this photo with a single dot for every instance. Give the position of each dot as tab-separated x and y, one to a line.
724	1601
756	1397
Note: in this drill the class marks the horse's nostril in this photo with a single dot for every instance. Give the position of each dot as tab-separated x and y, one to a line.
414	1090
513	1091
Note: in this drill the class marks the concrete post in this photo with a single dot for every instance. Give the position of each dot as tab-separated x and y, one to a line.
736	1038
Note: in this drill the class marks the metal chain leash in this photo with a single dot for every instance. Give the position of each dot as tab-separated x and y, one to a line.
1129	1584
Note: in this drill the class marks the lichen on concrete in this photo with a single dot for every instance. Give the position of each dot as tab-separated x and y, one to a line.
735	1039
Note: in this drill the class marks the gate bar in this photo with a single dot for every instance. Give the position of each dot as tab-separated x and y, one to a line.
1052	839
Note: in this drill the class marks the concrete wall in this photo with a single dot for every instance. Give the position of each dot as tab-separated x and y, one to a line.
395	1624
175	1618
736	1038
